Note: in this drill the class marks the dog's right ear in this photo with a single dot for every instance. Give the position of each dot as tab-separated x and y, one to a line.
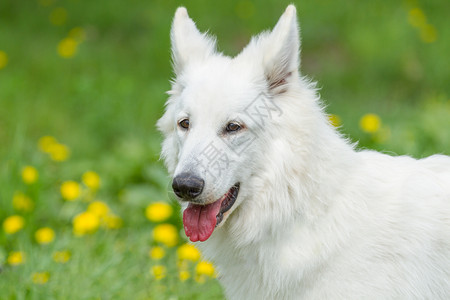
188	44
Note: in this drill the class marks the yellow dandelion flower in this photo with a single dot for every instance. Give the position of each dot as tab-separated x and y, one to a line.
166	234
44	235
40	277
113	221
29	174
157	253
416	17
205	268
46	142
334	120
58	16
158	211
200	278
22	202
13	224
98	208
370	123
382	135
428	33
91	180
85	222
188	252
184	275
16	258
61	256
77	34
183	265
3	59
158	272
58	152
67	48
70	190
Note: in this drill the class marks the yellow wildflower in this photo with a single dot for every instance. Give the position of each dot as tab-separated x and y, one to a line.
46	142
334	120
3	59
183	265
70	190
16	258
382	135
156	253
158	211
200	278
184	275
188	252
44	235
370	123
159	272
61	256
85	222
40	277
13	224
58	16
58	152
428	33
98	208
166	234
91	180
22	202
29	174
67	48
416	17
77	34
205	268
112	221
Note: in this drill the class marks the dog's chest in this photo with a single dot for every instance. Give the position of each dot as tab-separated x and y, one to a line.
255	271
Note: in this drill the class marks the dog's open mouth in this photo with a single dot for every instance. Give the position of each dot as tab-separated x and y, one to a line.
200	220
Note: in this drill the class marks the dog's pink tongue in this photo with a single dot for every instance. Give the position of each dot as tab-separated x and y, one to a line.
200	220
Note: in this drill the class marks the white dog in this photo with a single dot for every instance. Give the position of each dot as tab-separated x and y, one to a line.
285	206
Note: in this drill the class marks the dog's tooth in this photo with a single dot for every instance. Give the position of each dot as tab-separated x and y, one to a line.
219	218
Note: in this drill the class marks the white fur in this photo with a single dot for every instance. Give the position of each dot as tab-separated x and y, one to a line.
314	219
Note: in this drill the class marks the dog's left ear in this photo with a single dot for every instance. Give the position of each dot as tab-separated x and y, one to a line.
188	43
281	52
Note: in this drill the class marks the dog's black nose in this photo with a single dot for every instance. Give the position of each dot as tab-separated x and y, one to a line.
187	186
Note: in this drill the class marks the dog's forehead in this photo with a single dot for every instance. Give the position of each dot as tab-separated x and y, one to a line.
218	84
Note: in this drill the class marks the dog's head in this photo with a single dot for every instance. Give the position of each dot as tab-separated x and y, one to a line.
218	115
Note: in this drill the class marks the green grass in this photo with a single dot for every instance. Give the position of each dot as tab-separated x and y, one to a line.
104	101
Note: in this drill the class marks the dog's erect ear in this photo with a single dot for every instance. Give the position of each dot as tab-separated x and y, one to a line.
187	42
281	52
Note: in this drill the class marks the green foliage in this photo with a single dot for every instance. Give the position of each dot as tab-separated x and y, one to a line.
94	75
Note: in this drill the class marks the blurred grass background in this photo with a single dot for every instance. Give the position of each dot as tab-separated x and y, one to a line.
93	75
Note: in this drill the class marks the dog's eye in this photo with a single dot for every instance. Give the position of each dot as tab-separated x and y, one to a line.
184	123
233	127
